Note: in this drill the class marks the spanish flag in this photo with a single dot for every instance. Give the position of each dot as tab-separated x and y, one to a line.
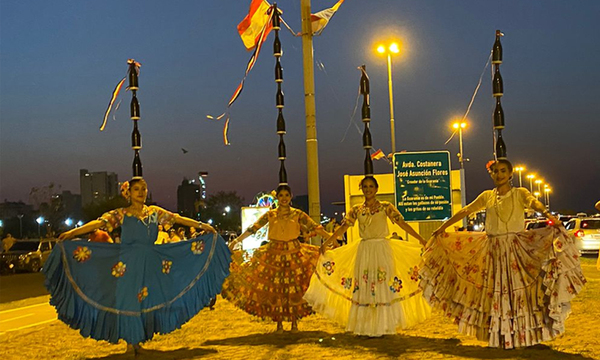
321	19
251	27
377	155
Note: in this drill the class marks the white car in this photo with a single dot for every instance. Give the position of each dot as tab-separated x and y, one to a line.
586	232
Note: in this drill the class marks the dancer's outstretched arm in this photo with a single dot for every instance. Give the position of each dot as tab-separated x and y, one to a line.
336	234
83	229
185	221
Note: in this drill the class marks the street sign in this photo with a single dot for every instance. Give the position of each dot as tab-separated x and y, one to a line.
422	185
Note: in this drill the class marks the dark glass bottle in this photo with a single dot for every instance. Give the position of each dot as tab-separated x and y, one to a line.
281	148
280	123
135	108
276	20
136	137
498	115
278	72
279	98
133	78
497	49
368	164
277	46
367	142
282	174
500	147
497	85
366	109
137	165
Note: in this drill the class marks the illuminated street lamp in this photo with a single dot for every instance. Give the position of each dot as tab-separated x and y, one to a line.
539	183
69	222
536	194
459	126
392	48
520	169
40	220
531	177
547	191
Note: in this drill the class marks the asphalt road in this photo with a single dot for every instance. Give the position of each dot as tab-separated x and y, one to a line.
21	286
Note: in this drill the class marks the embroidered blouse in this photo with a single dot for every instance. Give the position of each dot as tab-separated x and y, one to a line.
114	219
285	227
503	213
372	221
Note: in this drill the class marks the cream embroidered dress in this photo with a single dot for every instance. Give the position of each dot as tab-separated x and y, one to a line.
507	286
370	286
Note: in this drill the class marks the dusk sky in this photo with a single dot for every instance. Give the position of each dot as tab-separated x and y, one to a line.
60	60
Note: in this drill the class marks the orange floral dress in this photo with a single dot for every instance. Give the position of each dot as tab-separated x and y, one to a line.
271	284
507	286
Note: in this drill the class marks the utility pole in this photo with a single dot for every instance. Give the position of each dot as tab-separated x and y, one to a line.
312	153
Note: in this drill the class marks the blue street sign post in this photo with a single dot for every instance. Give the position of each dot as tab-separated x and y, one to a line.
422	185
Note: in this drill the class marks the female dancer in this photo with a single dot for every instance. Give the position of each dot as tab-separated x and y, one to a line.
370	286
509	287
134	289
272	283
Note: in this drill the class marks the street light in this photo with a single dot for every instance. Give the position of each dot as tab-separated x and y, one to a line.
20	216
531	177
520	169
547	191
40	221
539	183
392	48
459	126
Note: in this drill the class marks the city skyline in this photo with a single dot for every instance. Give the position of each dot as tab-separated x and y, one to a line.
60	62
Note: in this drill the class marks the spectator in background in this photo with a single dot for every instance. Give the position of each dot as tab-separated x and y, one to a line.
181	234
331	225
8	242
162	237
173	237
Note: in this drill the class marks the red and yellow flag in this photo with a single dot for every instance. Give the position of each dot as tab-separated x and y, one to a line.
321	19
251	28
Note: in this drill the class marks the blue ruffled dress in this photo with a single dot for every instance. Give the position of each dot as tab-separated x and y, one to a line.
134	289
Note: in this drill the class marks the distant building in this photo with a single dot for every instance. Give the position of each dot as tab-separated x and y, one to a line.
188	198
97	186
10	209
70	203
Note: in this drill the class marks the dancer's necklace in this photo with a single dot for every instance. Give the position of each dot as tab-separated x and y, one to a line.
496	205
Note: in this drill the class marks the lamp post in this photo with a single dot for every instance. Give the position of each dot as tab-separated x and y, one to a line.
547	191
459	126
20	216
389	50
530	177
520	169
539	183
39	221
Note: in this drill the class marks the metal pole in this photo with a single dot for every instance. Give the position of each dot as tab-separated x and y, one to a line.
391	92
520	181
312	153
463	190
20	216
531	184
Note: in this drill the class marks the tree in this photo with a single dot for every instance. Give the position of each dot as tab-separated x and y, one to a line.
217	207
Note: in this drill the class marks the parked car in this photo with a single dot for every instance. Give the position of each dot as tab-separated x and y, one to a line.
28	255
586	232
538	224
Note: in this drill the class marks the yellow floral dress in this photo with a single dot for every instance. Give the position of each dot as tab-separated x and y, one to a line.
507	286
271	284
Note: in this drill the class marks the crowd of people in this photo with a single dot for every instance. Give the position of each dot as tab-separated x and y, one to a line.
509	287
